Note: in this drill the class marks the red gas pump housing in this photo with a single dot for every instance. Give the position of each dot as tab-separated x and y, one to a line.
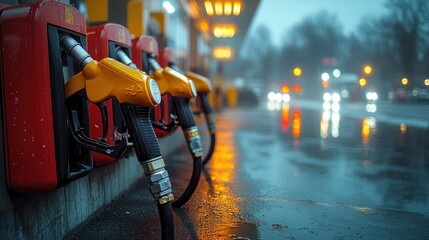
142	47
102	42
38	151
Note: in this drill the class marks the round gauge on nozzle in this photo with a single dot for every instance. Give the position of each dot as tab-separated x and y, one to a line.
155	92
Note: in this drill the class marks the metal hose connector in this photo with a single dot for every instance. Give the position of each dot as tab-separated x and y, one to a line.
158	180
192	136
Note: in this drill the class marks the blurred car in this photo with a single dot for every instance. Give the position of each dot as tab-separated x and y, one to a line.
400	94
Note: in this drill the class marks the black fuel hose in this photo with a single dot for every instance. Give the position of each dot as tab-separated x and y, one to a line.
211	124
193	140
148	153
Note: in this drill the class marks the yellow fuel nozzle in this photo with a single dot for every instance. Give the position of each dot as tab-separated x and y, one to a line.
202	84
174	83
110	78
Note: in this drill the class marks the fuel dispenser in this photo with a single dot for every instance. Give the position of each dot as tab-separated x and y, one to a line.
47	81
181	89
104	41
204	87
39	153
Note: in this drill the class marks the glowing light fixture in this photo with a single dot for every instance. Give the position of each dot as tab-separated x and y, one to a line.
237	8
362	82
223	7
426	82
228	8
224	31
168	7
222	53
404	81
218	8
209	8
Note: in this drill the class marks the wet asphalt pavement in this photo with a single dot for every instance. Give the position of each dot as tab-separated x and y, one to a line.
295	172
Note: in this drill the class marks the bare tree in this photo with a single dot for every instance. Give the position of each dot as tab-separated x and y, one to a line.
407	26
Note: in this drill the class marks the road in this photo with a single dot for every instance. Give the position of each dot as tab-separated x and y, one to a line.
296	171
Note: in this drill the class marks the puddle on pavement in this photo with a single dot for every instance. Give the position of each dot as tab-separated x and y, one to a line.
246	231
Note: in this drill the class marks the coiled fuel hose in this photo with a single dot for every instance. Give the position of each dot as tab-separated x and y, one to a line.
211	125
145	143
193	140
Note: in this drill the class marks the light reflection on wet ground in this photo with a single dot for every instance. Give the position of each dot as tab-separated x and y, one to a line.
301	172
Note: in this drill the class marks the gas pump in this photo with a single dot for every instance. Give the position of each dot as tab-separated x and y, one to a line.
181	89
48	79
39	153
203	86
103	41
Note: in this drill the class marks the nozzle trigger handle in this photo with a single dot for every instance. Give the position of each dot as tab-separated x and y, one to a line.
140	128
104	121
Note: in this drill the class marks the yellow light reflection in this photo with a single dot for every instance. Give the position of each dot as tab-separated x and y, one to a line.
296	124
404	81
403	128
367	125
218	8
285	118
217	182
324	124
237	8
366	131
209	8
427	82
335	130
228	8
362	82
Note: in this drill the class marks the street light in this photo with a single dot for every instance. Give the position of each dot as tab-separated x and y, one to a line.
336	73
297	72
367	69
325	76
404	81
362	82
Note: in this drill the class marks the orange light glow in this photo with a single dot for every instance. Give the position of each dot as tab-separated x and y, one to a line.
285	118
209	8
204	26
366	131
362	82
296	124
285	88
297	88
325	84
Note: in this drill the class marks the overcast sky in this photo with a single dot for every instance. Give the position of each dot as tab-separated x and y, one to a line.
281	15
